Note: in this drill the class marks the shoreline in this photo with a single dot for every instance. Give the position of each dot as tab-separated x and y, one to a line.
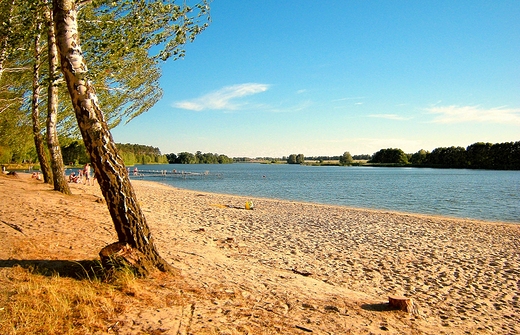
397	212
323	267
452	193
456	267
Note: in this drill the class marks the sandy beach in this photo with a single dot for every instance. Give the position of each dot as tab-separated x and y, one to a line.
284	267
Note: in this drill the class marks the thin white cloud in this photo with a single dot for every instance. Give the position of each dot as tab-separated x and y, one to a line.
345	99
464	114
388	116
222	98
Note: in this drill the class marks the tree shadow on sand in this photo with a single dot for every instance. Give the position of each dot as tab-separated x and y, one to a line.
381	307
83	269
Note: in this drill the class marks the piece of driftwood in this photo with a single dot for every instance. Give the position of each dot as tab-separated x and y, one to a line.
302	273
404	304
12	225
121	255
304	329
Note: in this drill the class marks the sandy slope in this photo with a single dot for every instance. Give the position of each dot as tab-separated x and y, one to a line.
250	265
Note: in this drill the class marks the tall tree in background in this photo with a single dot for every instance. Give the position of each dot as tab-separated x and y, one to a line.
346	159
112	175
24	53
15	129
35	102
15	123
58	169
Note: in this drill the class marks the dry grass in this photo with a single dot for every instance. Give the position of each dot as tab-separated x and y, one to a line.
32	302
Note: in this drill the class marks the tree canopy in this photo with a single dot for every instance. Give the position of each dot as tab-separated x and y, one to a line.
390	156
480	155
346	158
124	42
296	159
198	158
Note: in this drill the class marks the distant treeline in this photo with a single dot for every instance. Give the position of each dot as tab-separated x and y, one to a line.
337	158
480	155
500	156
141	154
198	158
74	153
300	158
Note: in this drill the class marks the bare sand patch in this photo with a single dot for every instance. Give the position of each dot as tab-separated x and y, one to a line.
284	267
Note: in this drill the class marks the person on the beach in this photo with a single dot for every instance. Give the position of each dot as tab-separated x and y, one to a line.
136	171
86	173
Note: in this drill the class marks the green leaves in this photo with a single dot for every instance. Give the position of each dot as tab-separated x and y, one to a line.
123	42
160	27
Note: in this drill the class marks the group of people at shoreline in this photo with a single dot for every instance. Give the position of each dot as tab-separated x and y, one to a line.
83	176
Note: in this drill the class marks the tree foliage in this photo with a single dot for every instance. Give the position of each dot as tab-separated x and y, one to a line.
296	159
420	157
362	157
141	154
346	159
16	143
480	155
452	157
198	158
124	42
75	153
390	156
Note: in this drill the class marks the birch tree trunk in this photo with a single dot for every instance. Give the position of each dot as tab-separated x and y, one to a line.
38	138
109	168
58	169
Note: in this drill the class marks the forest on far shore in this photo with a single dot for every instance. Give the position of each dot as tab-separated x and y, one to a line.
480	155
499	156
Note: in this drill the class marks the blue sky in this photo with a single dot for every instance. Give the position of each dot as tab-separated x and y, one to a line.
274	77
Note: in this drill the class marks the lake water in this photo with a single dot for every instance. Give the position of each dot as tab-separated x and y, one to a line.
477	194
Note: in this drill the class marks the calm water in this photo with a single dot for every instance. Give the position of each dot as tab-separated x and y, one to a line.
478	194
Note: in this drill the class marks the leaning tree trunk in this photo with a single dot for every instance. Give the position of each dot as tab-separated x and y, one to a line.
58	169
109	168
38	138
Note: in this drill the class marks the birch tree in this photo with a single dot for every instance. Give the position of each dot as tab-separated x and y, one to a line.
53	144
129	220
35	102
